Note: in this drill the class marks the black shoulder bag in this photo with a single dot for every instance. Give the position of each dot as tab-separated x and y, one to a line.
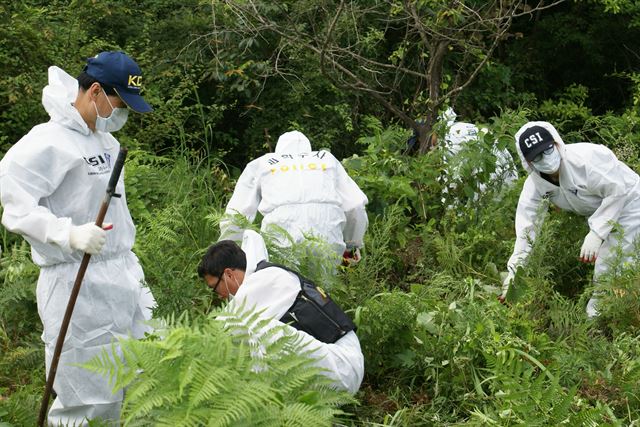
314	311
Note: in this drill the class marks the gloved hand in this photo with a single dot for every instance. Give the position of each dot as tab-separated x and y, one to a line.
88	238
592	310
351	257
590	248
505	285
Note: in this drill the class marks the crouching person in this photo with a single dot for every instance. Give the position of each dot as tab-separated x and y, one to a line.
280	294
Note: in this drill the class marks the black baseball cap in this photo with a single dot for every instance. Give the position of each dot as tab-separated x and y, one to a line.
534	141
119	71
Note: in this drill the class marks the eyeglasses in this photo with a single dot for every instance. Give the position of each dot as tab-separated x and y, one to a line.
220	279
539	156
217	283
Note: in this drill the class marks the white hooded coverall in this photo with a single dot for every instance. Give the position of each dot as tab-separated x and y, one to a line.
460	133
274	290
302	191
592	183
53	178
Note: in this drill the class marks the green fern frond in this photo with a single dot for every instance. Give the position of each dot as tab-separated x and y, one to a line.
209	374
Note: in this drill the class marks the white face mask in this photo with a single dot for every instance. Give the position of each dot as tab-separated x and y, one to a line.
230	296
549	163
116	119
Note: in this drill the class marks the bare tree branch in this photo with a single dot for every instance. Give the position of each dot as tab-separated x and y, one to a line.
397	53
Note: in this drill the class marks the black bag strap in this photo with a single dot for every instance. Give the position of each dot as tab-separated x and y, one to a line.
266	264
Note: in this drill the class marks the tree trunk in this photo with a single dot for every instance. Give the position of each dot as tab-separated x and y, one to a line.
434	76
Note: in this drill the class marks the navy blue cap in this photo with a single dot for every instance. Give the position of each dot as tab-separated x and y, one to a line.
534	141
117	70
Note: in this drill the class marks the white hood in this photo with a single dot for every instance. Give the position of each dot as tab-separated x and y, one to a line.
293	142
461	133
449	116
254	248
552	130
58	98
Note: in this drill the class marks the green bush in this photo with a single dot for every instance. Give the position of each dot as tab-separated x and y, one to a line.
619	292
390	177
215	371
21	349
387	321
169	199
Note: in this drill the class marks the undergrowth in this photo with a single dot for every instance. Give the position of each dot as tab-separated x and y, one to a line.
439	347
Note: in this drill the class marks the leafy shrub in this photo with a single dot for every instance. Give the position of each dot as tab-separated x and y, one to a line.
619	381
526	393
568	112
618	292
169	200
21	350
21	407
386	256
210	372
387	321
620	133
389	177
20	345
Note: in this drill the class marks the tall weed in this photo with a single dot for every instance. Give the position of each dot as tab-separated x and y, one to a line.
170	199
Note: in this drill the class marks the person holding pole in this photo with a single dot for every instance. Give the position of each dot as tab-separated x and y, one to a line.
52	184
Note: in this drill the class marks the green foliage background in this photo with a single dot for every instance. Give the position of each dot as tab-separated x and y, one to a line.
439	348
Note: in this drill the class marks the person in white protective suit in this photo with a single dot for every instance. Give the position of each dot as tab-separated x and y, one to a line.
231	272
302	191
583	178
52	183
461	134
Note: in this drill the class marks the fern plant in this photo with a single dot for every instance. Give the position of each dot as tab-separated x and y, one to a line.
21	407
20	345
618	291
525	392
215	372
169	199
313	257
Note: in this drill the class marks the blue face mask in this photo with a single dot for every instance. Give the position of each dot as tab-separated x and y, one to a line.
548	162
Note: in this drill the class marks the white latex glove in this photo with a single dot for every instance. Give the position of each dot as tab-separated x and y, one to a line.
592	310
505	285
88	238
590	248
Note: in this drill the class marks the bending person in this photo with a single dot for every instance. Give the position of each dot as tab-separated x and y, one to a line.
461	135
302	191
272	291
583	178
